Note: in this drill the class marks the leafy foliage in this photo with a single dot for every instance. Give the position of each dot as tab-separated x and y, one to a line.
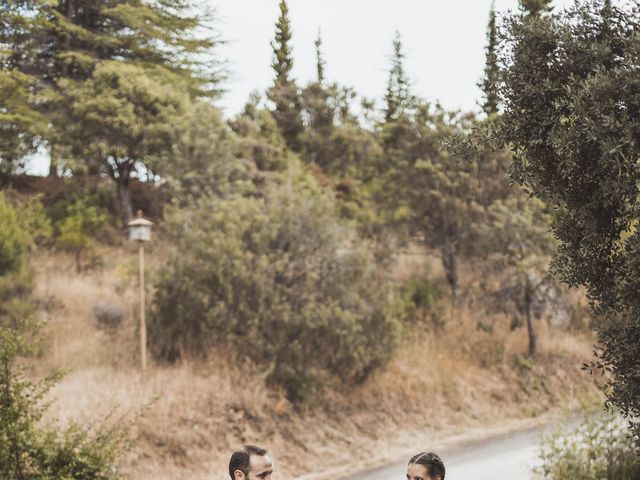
34	220
571	100
207	157
78	231
20	123
397	97
127	115
320	61
420	295
278	280
66	39
77	63
436	194
599	448
16	279
31	451
284	93
260	141
519	244
490	81
536	8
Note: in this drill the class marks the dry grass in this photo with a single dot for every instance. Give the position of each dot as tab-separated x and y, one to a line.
191	416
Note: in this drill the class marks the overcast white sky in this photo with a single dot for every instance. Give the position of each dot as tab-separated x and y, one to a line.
444	41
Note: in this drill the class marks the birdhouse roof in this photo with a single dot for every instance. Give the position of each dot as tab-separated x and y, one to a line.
140	222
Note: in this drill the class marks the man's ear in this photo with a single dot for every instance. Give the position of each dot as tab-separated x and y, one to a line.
238	475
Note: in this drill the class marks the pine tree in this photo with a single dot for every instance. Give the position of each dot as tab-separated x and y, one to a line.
282	55
66	39
489	84
20	124
536	8
397	94
320	61
58	47
284	92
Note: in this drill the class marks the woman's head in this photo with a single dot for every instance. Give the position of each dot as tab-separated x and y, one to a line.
425	466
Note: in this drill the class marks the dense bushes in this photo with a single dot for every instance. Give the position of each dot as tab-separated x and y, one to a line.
601	448
420	296
74	224
28	450
277	280
15	276
78	230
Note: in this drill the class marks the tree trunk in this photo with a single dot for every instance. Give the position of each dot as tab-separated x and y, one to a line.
450	265
125	199
53	166
528	301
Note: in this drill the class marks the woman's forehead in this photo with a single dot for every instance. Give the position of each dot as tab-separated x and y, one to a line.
417	470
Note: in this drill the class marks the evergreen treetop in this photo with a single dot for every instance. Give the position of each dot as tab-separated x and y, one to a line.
66	39
536	8
283	59
397	94
489	83
320	61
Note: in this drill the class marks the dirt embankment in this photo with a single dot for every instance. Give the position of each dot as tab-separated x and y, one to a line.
190	417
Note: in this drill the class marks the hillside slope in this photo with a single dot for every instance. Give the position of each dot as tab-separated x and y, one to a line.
189	417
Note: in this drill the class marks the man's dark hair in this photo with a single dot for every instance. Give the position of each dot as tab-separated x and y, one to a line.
241	458
432	462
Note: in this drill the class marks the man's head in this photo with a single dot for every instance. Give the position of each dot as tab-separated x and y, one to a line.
250	463
425	466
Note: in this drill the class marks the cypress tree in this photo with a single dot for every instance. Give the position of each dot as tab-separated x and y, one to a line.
397	94
489	84
282	54
320	61
536	8
284	92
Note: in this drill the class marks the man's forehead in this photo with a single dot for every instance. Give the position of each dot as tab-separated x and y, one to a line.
260	463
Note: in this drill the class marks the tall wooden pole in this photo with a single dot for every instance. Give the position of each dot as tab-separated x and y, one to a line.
143	320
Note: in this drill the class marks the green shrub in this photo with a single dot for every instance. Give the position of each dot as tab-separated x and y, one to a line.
13	239
16	279
109	315
278	280
600	449
29	450
78	230
420	295
34	221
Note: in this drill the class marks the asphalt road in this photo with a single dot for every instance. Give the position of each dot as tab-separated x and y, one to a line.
511	456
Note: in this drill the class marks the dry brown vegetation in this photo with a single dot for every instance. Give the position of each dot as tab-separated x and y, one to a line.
188	418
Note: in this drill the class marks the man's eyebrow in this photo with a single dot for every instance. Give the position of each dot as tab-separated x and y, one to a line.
265	474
